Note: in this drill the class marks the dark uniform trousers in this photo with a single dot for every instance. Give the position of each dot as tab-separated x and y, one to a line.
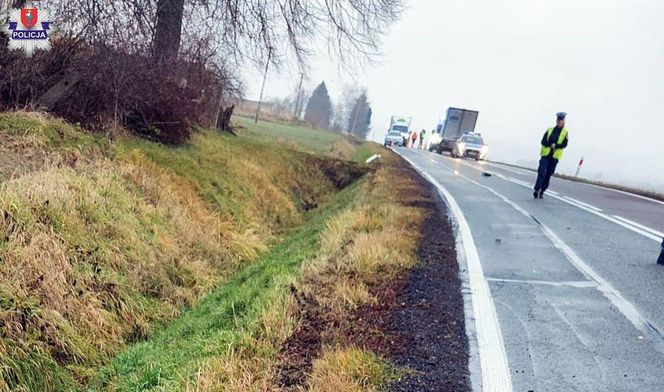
547	166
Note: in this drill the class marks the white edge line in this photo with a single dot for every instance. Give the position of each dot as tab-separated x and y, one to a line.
583	204
493	358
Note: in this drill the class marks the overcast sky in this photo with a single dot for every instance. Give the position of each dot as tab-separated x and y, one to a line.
518	62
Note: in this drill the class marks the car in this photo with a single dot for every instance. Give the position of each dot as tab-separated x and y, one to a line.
394	138
470	145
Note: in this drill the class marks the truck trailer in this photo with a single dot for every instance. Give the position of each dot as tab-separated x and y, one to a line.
457	122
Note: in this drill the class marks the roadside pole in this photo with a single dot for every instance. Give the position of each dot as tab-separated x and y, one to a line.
260	98
296	115
578	169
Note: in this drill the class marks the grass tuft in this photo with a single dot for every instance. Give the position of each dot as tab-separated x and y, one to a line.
350	369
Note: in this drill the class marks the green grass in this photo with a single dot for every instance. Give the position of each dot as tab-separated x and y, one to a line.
311	140
367	149
235	174
170	360
53	134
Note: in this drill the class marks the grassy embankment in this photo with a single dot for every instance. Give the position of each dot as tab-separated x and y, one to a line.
190	252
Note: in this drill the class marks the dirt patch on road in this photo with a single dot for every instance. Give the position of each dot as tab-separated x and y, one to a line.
417	322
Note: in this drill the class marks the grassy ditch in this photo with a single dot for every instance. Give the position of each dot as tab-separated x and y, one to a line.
237	338
248	314
104	243
127	265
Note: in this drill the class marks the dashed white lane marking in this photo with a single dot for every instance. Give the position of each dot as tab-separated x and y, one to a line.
650	199
522	183
635	229
493	358
625	307
625	193
579	284
592	207
638	228
510	169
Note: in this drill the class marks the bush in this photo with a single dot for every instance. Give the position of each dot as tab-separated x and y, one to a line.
157	101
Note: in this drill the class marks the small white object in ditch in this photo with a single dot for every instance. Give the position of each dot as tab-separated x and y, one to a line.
456	172
372	158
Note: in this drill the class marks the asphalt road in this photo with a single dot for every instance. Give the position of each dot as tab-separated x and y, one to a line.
576	296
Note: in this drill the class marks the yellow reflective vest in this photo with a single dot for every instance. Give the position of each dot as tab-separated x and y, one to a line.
557	152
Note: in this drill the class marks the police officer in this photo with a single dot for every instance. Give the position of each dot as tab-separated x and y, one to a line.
553	143
660	259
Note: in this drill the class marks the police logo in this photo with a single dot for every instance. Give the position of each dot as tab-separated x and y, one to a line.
28	28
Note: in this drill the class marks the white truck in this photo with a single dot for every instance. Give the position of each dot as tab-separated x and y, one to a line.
400	124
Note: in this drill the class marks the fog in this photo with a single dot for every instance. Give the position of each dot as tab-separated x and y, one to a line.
519	62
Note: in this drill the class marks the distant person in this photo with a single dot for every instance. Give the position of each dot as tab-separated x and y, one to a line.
660	259
414	139
422	135
553	143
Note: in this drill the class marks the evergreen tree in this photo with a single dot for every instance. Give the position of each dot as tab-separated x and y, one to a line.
359	121
318	112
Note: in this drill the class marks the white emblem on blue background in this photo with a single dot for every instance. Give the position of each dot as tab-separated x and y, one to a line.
29	28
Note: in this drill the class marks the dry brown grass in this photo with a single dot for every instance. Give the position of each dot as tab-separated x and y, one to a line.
349	370
249	364
99	241
373	241
343	149
83	246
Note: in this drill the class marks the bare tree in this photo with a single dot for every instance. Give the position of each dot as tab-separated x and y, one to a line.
241	29
342	110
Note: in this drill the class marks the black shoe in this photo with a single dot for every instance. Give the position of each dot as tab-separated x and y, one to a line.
535	194
541	195
660	259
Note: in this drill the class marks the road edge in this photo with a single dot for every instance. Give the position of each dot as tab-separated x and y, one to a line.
486	335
